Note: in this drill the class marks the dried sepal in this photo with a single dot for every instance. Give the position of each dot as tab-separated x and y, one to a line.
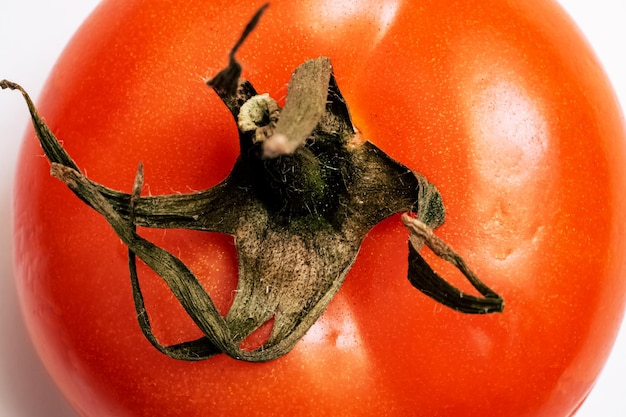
298	208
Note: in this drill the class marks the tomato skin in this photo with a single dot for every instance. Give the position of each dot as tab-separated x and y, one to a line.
492	102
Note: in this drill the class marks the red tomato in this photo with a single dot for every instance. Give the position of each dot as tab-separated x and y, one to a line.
500	104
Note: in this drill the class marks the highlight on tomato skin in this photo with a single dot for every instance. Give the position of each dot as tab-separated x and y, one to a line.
527	166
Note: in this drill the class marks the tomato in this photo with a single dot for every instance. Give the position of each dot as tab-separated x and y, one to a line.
501	105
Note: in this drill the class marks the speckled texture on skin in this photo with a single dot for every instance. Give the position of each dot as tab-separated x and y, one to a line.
419	78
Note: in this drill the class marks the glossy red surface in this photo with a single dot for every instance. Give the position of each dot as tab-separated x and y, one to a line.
502	106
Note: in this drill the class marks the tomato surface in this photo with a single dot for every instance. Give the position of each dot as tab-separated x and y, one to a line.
499	103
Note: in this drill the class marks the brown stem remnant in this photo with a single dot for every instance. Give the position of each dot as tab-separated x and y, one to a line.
307	191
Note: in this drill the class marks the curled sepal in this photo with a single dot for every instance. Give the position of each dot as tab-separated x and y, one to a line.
424	278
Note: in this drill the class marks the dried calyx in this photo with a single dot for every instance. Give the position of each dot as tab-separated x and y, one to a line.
301	197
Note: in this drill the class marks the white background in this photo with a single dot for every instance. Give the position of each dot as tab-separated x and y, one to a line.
32	35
